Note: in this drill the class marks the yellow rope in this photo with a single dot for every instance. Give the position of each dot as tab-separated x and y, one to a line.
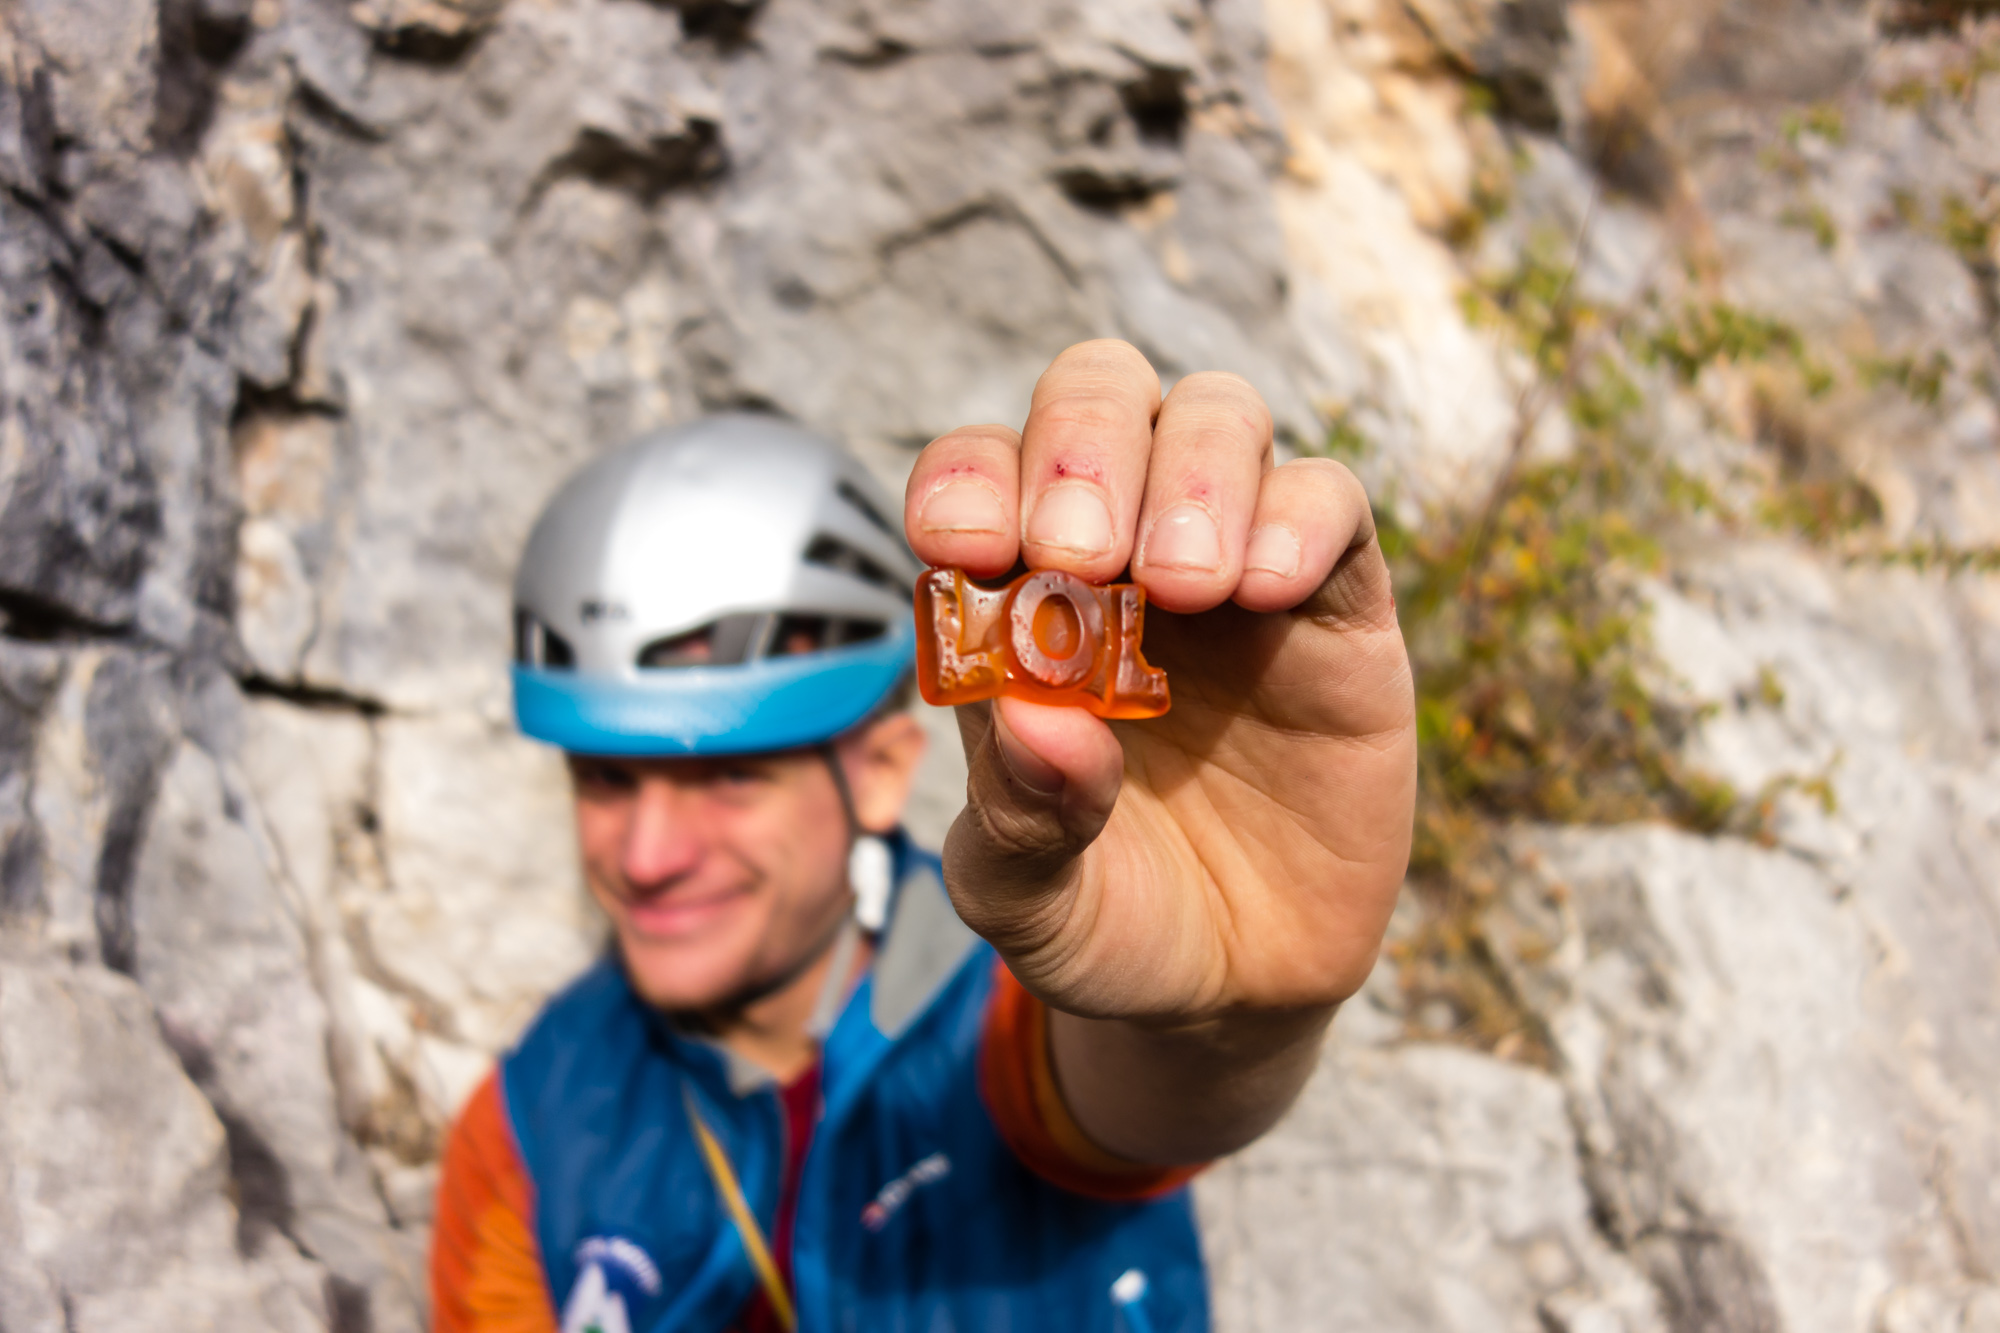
739	1212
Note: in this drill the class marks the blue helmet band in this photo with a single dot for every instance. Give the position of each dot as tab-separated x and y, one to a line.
772	703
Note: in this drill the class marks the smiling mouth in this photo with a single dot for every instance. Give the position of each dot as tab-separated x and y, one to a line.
671	913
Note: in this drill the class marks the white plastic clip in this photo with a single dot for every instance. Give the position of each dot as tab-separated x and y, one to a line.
871	874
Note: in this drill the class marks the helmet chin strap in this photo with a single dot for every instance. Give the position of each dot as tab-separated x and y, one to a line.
871	874
870	867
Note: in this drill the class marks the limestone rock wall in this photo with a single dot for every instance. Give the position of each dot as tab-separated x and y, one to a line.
1772	1064
308	305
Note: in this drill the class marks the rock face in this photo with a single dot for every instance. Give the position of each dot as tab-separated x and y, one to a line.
309	305
1418	1187
1782	1062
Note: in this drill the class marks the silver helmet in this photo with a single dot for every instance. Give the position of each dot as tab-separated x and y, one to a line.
731	586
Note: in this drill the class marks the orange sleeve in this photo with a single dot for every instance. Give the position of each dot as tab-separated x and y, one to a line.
486	1273
1019	1084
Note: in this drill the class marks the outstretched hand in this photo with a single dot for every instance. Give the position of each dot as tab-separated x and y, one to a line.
1239	857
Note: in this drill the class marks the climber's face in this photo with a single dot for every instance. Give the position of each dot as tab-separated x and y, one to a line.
724	877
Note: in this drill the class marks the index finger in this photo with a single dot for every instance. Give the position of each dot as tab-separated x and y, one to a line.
962	505
1084	453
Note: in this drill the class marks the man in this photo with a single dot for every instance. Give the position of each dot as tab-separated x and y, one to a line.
803	1093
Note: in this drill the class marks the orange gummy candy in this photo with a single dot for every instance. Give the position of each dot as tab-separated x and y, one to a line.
1047	637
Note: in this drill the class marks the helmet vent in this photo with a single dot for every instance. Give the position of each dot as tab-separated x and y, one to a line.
851	493
725	642
695	648
831	552
811	634
536	645
733	640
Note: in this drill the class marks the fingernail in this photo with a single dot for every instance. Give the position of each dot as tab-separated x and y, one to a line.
1073	518
1183	538
1029	769
1274	549
962	506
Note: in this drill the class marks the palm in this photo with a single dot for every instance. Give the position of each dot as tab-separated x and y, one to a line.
1261	829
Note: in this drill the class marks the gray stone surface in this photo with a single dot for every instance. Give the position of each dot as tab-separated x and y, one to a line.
226	952
591	224
1769	1126
116	1210
306	305
1417	1188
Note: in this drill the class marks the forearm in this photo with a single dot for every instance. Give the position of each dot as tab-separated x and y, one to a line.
1171	1096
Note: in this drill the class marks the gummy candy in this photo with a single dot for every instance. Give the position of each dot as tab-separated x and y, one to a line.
1047	637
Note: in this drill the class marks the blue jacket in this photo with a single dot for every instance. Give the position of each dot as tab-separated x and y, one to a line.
914	1216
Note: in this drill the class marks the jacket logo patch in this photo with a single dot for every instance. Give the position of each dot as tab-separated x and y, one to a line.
898	1191
614	1277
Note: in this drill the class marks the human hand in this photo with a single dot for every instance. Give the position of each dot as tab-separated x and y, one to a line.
1242	853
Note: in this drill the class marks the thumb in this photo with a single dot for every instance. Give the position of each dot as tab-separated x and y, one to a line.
1041	782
